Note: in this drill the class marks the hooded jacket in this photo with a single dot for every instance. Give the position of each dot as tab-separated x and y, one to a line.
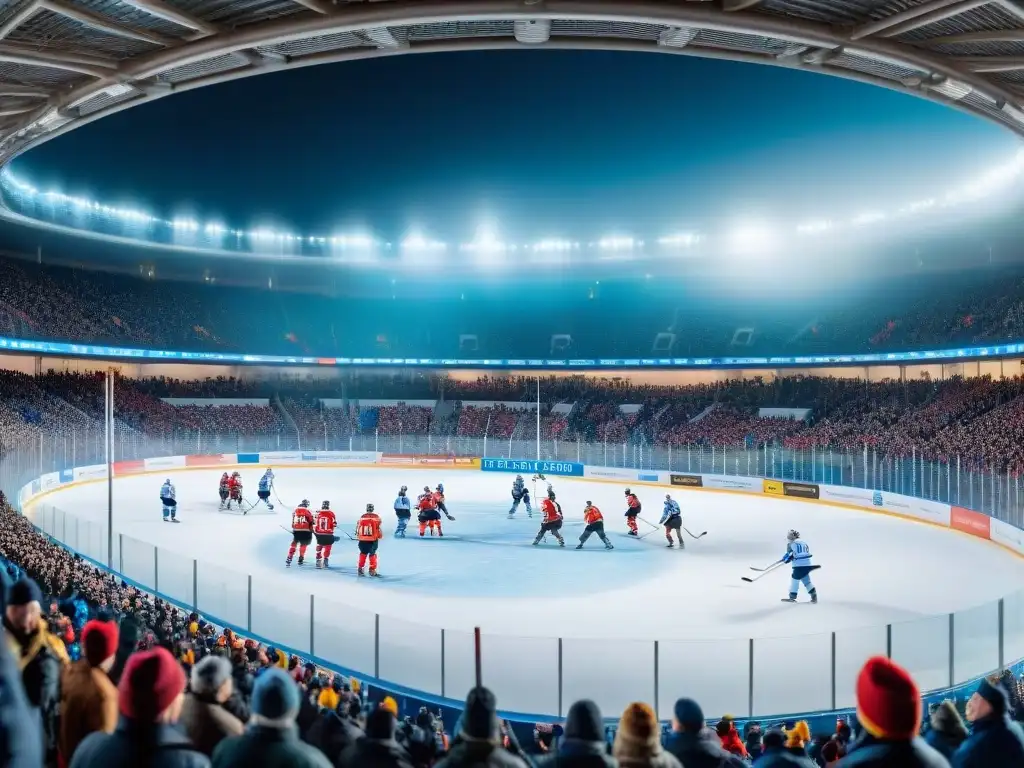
948	731
583	744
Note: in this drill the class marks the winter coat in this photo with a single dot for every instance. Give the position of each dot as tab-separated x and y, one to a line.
375	753
475	753
268	747
783	757
135	744
21	743
995	742
876	753
41	658
88	703
947	731
332	734
695	751
207	723
576	753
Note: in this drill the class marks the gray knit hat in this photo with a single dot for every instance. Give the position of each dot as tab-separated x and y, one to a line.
209	675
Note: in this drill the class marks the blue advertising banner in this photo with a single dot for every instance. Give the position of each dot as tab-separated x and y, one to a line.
563	468
67	475
248	458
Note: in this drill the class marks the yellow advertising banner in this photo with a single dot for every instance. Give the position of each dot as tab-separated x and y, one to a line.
774	487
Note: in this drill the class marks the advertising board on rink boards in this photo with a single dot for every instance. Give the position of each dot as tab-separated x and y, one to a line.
610	473
562	468
91	472
1008	535
356	457
969	521
908	506
733	483
165	462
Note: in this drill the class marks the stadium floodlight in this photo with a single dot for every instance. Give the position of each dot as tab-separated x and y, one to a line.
814	227
416	243
752	238
550	245
214	229
681	240
356	242
616	243
185	225
868	217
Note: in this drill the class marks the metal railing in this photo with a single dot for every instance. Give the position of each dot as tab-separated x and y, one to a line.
750	676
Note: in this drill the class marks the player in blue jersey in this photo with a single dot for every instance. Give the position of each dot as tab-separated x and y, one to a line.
263	490
799	554
672	519
520	493
167	498
403	511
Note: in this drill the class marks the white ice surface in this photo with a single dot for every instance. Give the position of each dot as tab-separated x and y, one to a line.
875	569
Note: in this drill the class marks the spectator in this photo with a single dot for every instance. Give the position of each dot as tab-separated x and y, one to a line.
203	716
948	731
271	740
831	751
88	697
687	744
583	745
335	731
41	656
638	740
752	739
378	747
21	744
478	741
995	741
889	710
150	697
797	738
780	752
730	737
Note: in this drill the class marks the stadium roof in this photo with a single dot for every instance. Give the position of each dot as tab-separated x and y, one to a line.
67	62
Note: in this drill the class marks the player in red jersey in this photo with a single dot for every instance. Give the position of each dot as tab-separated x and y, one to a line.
224	489
552	520
369	533
235	489
595	524
439	501
632	511
302	532
429	517
323	529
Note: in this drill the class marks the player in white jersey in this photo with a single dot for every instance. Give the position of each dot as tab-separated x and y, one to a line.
799	554
520	493
167	498
672	519
265	487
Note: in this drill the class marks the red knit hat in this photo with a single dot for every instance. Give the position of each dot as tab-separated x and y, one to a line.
152	680
99	641
888	700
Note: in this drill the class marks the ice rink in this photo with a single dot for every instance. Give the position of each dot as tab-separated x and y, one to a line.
875	569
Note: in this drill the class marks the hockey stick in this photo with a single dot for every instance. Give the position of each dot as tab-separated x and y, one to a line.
655	527
705	533
763	573
770	565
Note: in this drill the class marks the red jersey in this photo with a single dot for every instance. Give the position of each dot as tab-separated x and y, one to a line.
234	482
302	520
551	511
592	515
325	522
427	502
634	502
368	527
438	498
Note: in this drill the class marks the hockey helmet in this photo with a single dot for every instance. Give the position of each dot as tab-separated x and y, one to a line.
628	491
236	474
167	481
304	503
668	497
519	477
224	475
440	488
551	494
325	505
426	488
405	488
369	507
589	503
793	535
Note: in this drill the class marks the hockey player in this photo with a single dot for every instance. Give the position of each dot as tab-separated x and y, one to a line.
302	532
632	511
403	511
429	517
520	493
235	489
224	490
552	521
323	529
799	554
167	495
439	501
595	524
672	519
265	487
368	533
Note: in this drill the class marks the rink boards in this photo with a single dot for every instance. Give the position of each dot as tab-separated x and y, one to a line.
922	510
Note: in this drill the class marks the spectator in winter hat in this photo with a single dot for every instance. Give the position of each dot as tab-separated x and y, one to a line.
638	740
478	740
687	744
204	718
889	711
378	747
150	697
88	697
583	743
995	741
948	731
780	750
730	737
271	739
40	655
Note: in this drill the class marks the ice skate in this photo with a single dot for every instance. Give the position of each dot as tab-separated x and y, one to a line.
326	563
319	563
814	597
608	545
561	543
301	559
167	520
511	515
631	533
288	563
579	546
270	507
374	573
175	520
670	545
790	599
360	572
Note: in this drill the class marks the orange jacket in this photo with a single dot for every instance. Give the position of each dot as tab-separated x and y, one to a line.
592	515
633	501
427	502
550	510
368	527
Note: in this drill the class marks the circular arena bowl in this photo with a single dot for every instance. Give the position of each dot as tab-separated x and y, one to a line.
639	621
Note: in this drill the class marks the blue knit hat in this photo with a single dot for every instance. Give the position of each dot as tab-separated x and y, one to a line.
23	592
275	696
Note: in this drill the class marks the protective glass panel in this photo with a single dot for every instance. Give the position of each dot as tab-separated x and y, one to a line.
613	673
283	622
344	636
975	642
138	561
174	576
715	673
410	654
778	688
853	648
922	646
523	672
223	595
